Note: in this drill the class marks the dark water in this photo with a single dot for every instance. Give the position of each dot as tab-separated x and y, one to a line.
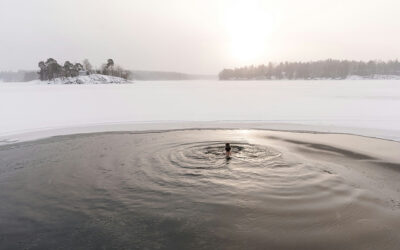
175	190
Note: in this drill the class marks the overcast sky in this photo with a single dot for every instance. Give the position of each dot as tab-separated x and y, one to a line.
196	36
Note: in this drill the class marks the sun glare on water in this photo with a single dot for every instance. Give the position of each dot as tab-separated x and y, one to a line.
249	27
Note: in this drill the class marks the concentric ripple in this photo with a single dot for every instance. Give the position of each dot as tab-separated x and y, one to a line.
176	190
253	171
211	155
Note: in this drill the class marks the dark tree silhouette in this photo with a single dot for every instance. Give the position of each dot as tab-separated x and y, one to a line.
43	71
108	67
54	70
110	63
68	69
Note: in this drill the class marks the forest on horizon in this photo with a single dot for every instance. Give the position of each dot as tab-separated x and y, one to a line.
324	69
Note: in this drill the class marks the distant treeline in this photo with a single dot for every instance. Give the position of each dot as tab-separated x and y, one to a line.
328	69
18	76
50	69
157	75
144	75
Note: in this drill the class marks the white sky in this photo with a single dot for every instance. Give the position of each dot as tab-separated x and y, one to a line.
196	36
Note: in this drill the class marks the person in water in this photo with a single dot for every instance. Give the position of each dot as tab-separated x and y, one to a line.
228	150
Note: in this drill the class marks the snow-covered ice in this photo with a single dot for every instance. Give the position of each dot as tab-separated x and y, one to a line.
369	108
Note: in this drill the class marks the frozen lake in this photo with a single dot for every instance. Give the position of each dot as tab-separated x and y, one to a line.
361	107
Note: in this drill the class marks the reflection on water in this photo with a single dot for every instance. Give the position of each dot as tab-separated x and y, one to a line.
176	190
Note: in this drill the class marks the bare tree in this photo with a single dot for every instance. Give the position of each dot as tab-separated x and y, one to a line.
87	66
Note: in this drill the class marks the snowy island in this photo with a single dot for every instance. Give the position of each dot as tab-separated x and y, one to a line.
53	73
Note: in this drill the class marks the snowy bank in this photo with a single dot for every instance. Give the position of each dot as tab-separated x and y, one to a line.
374	77
89	79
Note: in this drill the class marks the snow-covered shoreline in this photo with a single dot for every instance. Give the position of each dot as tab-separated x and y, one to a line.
358	107
374	77
88	79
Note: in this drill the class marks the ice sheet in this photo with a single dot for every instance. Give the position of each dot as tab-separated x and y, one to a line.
369	108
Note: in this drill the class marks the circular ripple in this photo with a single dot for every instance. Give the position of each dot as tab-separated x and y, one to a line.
211	155
255	174
255	170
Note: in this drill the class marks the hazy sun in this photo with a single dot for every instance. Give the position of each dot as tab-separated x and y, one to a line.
248	27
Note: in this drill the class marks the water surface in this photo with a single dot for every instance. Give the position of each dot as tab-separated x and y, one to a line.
176	190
